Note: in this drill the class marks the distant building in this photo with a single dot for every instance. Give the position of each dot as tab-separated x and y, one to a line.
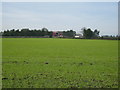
57	34
78	36
63	34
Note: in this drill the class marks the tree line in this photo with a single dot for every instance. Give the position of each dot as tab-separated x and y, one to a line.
40	32
27	32
87	33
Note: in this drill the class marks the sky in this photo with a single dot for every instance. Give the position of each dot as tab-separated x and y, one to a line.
60	0
58	16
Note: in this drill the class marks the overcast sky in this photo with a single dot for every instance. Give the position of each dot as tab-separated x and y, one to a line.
61	16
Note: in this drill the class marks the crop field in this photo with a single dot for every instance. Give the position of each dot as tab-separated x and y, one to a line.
59	63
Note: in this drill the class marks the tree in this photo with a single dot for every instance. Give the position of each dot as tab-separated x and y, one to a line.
89	34
44	31
96	33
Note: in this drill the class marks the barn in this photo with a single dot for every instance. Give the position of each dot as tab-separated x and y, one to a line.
57	34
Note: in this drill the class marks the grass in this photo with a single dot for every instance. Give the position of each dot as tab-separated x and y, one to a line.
59	63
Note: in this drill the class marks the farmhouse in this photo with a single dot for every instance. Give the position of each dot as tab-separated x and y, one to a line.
64	34
57	34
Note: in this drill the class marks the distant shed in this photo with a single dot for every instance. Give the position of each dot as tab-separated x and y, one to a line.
78	36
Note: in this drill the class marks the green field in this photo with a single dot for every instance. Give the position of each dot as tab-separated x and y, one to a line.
59	63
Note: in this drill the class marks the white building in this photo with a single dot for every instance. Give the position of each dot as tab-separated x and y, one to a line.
78	36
